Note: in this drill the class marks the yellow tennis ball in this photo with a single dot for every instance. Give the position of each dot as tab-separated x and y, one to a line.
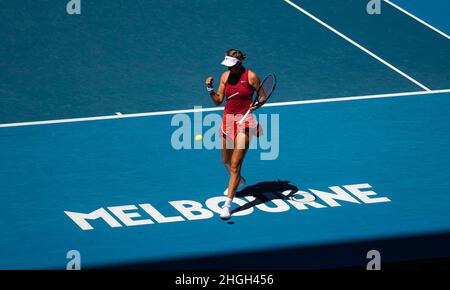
198	137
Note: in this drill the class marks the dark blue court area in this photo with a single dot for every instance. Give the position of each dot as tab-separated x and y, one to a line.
360	119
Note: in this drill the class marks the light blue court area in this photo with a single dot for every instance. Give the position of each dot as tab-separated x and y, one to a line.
379	168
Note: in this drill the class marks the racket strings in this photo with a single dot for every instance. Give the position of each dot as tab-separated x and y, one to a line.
266	89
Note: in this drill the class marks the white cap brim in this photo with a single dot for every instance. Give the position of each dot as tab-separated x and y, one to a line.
230	61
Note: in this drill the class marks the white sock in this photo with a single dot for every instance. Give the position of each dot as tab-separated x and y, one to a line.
228	202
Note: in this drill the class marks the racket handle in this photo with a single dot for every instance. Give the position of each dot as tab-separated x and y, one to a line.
243	118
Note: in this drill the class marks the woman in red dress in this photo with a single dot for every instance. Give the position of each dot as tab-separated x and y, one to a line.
237	86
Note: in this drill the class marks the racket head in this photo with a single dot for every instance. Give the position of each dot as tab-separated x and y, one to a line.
266	88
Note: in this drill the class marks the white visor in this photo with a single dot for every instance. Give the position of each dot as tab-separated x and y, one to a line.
230	61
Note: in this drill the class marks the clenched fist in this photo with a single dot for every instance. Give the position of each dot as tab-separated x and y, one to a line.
209	82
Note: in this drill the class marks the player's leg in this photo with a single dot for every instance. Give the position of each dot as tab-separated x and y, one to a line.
226	160
237	158
226	154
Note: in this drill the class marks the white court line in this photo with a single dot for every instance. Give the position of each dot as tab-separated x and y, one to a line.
123	116
342	99
357	45
417	19
33	123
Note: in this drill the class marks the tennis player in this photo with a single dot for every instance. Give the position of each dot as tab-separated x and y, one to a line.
237	86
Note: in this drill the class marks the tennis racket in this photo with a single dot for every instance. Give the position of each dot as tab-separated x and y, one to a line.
264	92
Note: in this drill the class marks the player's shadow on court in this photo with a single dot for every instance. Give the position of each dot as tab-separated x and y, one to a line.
264	192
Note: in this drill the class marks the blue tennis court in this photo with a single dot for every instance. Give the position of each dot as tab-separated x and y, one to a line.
88	110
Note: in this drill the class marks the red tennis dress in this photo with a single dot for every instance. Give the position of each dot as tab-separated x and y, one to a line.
238	100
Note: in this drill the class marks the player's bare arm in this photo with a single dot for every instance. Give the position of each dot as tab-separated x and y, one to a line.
255	82
218	96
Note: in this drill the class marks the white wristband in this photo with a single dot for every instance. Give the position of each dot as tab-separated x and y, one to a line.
209	89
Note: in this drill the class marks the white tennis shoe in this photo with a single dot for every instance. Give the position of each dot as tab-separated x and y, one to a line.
241	184
225	213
